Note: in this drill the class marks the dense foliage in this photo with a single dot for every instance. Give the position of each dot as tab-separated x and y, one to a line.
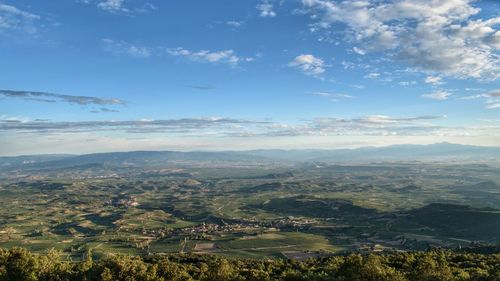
18	264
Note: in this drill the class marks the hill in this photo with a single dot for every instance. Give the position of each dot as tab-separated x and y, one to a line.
434	152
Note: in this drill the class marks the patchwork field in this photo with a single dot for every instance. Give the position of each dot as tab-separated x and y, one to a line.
295	212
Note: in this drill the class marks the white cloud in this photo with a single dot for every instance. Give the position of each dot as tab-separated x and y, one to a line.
145	8
225	56
384	119
474	89
489	120
12	18
372	75
371	125
472	97
112	5
139	51
308	64
407	83
266	9
359	51
227	127
493	104
234	23
434	80
429	35
48	97
493	101
335	97
13	119
437	95
122	47
481	30
122	6
492	98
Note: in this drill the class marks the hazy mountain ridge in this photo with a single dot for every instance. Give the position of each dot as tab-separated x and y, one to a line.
434	152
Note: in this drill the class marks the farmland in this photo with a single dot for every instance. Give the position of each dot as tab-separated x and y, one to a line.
253	211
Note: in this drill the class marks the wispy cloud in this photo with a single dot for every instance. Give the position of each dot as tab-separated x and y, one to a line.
434	80
112	6
491	99
383	119
52	97
121	47
121	7
185	126
437	95
407	83
359	51
335	97
15	119
225	56
234	23
125	48
201	87
104	110
266	9
372	75
494	93
145	8
493	104
377	125
13	18
372	125
309	64
473	97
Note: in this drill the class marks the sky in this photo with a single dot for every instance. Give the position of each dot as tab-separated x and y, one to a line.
84	76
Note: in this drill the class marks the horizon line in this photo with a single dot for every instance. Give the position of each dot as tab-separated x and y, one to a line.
247	150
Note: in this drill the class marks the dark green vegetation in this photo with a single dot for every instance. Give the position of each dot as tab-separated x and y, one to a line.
245	204
20	265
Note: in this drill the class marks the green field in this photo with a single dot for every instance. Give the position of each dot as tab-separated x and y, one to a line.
259	212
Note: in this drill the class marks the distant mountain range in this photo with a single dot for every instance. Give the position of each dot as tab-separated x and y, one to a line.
434	152
445	152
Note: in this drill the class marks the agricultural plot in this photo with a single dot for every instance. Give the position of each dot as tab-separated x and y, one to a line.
295	211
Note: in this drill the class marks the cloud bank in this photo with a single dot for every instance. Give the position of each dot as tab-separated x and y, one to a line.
372	125
432	36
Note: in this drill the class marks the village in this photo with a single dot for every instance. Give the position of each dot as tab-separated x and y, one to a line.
205	230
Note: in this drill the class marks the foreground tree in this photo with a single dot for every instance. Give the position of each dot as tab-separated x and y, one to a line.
20	265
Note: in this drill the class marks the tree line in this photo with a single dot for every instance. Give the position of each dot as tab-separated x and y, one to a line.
18	264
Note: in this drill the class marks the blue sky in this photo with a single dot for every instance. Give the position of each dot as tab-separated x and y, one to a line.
83	76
